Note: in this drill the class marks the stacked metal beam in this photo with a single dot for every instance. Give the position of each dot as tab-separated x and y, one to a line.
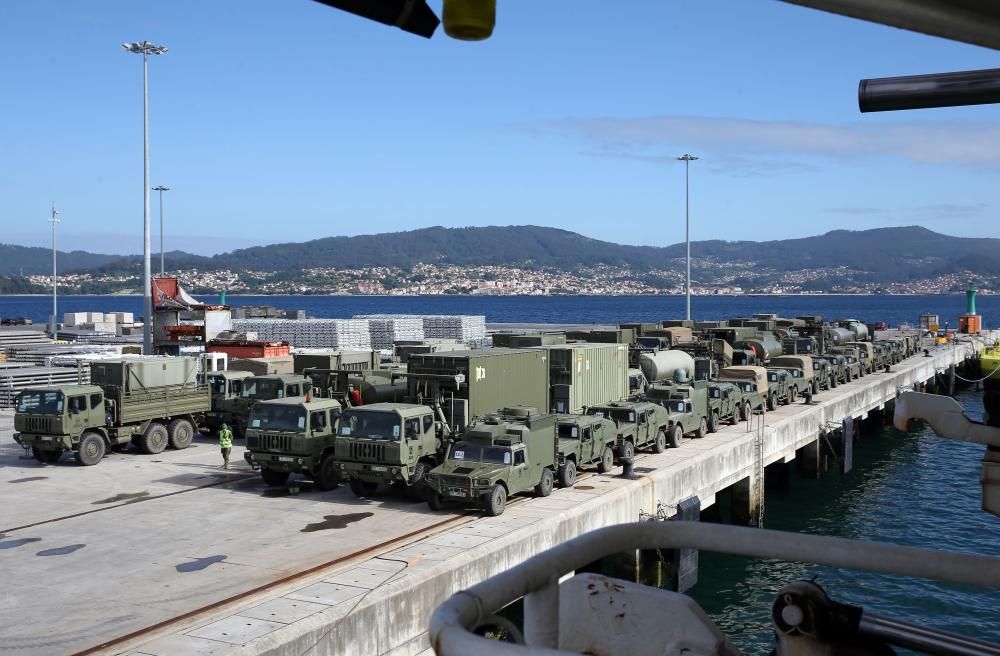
468	329
14	380
344	334
386	331
15	338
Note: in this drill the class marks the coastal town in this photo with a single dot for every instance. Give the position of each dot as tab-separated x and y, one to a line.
709	277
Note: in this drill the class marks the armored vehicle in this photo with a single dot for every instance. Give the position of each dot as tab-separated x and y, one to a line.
784	386
836	366
801	369
696	418
498	456
823	373
852	357
387	443
294	435
584	440
151	402
640	424
236	411
866	356
752	382
227	386
725	404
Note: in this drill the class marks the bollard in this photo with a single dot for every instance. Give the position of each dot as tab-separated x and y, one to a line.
627	465
808	396
927	353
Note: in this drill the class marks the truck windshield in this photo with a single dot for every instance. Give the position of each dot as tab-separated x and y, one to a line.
42	403
648	342
678	406
747	387
568	431
263	390
376	425
772	377
278	417
716	393
473	453
218	384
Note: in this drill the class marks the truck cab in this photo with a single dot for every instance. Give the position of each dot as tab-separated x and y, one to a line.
782	386
497	456
294	435
725	403
584	440
226	387
752	382
866	356
387	443
52	420
640	425
235	411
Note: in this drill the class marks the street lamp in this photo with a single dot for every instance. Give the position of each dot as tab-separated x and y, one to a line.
55	280
147	49
687	159
161	189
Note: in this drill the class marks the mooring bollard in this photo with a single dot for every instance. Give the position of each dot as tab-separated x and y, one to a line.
808	396
627	465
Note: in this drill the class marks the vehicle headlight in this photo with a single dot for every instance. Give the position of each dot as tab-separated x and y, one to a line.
394	470
482	481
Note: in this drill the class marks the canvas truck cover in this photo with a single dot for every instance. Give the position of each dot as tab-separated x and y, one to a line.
741	373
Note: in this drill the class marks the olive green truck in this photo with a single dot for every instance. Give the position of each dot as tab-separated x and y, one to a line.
150	402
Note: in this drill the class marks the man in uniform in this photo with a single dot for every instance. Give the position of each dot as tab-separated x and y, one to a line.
225	444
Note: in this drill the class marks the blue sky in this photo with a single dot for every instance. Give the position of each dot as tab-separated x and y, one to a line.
287	121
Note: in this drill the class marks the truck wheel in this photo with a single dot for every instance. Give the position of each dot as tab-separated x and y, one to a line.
660	445
567	474
273	477
362	488
815	385
434	500
607	460
772	402
46	457
544	487
702	429
155	439
329	475
495	500
180	432
676	436
628	451
713	423
833	382
91	449
744	413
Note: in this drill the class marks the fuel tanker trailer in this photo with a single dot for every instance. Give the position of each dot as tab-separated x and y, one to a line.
663	365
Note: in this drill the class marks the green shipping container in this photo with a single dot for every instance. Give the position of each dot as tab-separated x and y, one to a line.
583	375
494	379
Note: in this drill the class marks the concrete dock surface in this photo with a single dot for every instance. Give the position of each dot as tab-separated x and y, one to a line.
193	559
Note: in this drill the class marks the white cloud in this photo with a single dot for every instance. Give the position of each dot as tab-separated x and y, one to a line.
974	144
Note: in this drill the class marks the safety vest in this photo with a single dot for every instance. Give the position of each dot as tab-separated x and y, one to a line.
225	438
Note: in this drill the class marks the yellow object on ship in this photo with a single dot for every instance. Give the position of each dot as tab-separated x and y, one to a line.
989	362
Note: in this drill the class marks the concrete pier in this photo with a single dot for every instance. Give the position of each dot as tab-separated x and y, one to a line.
367	587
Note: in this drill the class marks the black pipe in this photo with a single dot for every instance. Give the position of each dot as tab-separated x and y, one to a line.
925	91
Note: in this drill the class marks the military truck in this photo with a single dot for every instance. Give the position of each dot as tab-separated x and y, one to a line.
857	352
226	386
836	365
584	440
294	435
151	402
358	387
640	425
497	456
823	373
752	382
801	369
236	411
725	404
866	355
388	443
692	418
785	390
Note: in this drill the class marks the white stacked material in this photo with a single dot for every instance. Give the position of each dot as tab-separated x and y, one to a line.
344	334
73	319
386	331
15	338
124	317
12	381
465	328
41	355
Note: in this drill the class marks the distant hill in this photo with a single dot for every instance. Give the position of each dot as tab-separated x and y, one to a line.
889	254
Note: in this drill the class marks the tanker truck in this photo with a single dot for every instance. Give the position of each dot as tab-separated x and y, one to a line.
664	365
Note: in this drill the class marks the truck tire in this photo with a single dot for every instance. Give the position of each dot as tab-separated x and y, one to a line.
434	500
495	501
180	433
743	412
628	451
155	439
567	474
607	460
46	457
362	488
91	449
545	485
815	385
772	401
713	423
273	477
660	445
702	430
676	435
329	475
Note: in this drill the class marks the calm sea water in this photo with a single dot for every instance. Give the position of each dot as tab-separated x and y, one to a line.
915	488
556	309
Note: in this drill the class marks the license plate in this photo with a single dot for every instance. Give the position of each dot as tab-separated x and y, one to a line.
378	468
46	438
456	493
284	458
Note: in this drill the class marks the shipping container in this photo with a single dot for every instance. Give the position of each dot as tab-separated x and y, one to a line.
582	375
342	360
491	379
135	374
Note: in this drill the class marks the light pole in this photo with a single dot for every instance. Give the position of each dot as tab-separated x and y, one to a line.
687	159
54	219
147	49
161	189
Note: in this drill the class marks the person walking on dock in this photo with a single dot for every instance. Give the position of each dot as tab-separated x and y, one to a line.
225	444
